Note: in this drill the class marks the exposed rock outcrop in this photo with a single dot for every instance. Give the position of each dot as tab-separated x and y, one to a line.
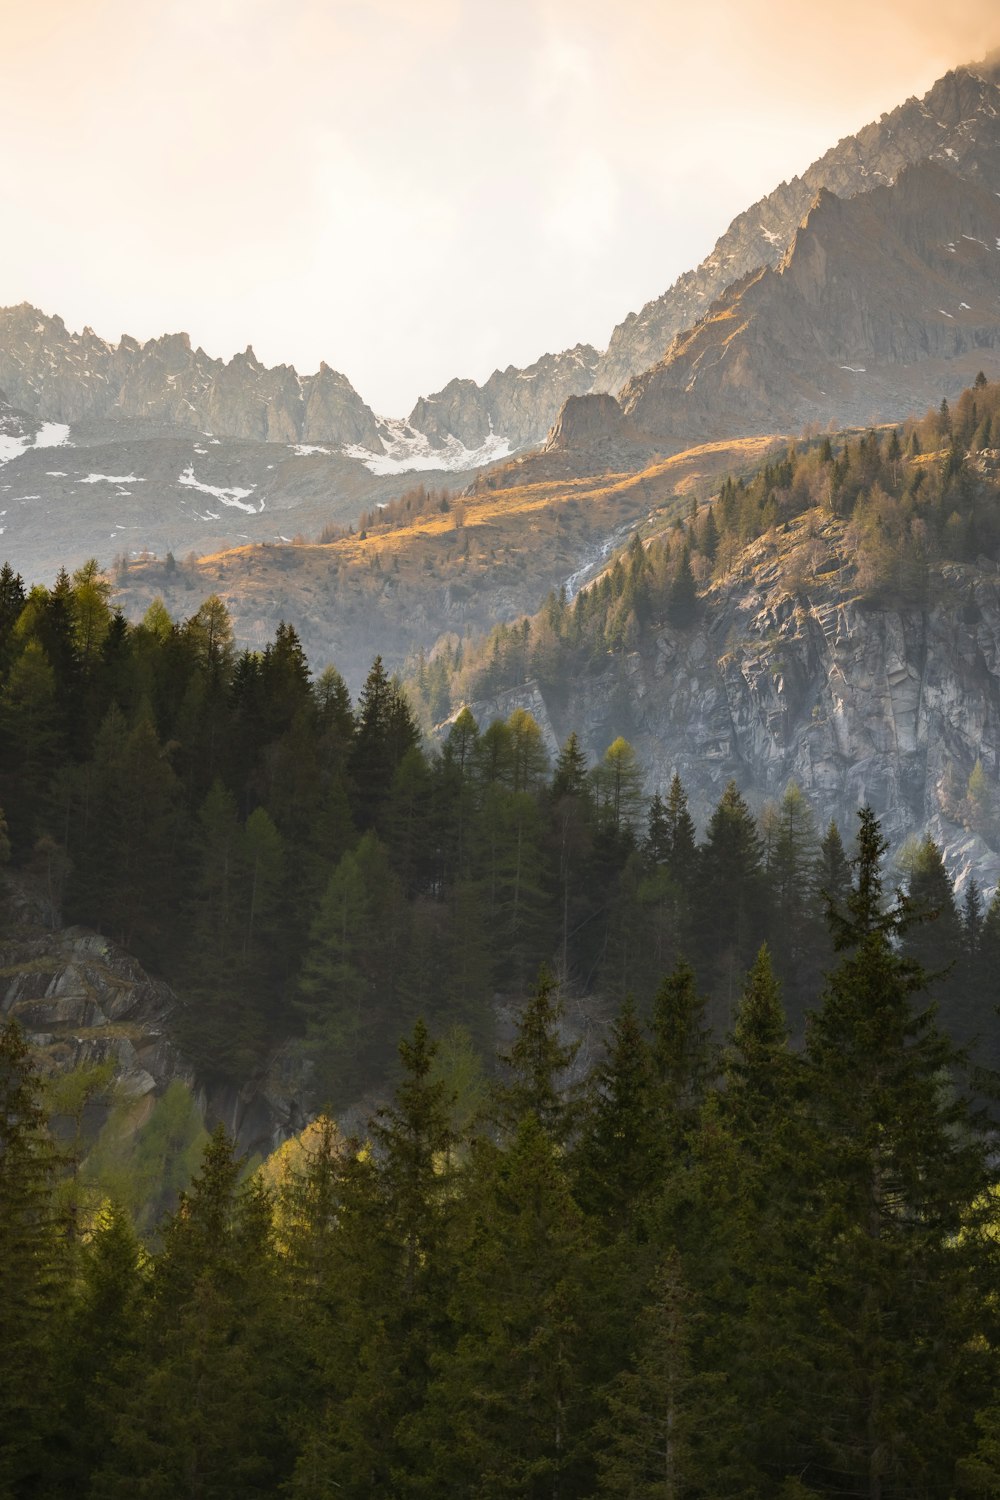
956	124
82	999
883	303
806	681
520	405
72	377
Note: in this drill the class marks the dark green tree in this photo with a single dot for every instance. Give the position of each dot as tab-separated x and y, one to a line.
899	1251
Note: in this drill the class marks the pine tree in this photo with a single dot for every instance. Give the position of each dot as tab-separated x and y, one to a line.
682	605
385	731
34	1272
683	1055
204	1416
99	1365
510	1414
665	1436
902	1162
391	1320
572	826
619	1156
535	1068
732	898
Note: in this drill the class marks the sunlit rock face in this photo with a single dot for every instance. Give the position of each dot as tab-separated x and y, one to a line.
882	304
956	125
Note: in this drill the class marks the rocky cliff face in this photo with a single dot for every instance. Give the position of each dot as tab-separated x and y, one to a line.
805	681
883	303
956	124
82	999
519	405
72	377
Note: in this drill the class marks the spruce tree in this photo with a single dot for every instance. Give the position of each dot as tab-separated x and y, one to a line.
510	1413
903	1163
534	1070
34	1272
665	1436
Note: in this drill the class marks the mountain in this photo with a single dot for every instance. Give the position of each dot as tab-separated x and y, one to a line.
957	123
73	377
882	304
403	582
846	636
887	704
69	377
518	405
125	487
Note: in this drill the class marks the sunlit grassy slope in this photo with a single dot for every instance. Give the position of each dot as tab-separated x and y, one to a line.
493	555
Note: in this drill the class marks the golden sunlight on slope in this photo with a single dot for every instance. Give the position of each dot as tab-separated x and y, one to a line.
493	555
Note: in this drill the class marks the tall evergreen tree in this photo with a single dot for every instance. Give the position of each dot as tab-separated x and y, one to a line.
903	1163
34	1274
534	1079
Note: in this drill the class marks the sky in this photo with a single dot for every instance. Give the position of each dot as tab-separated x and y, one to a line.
415	190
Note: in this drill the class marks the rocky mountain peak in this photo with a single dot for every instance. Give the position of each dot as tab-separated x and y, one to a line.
956	123
70	377
882	303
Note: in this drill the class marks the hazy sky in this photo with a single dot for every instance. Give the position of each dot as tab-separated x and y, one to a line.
416	189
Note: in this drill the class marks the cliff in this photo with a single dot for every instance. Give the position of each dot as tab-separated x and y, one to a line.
790	674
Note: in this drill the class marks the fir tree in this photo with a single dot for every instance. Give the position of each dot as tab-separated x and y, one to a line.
535	1068
902	1162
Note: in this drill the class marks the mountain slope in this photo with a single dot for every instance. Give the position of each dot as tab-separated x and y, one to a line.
957	123
882	303
493	555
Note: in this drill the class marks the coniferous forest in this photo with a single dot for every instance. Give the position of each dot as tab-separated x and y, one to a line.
746	1248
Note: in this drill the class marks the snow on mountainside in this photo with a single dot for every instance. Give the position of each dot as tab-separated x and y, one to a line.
69	377
407	451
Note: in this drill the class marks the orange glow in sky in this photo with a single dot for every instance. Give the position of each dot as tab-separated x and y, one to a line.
417	189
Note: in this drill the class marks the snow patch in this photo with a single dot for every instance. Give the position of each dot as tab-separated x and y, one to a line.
408	450
52	435
233	496
303	450
854	369
11	447
55	473
945	314
112	479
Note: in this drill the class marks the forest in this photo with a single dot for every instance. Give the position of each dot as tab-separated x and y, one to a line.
682	1181
711	1267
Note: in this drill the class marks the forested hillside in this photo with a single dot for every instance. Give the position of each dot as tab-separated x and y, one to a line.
301	868
739	1271
912	496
